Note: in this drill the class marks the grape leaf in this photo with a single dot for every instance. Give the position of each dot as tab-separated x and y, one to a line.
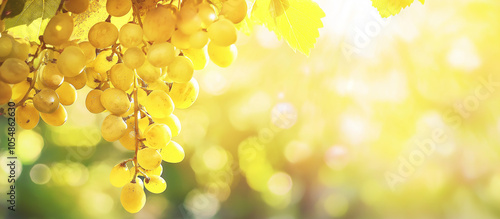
387	8
297	21
32	19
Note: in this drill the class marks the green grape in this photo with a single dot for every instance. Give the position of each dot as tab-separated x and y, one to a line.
134	58
149	158
13	71
94	78
88	50
115	101
199	57
172	153
234	10
181	70
56	118
58	30
155	172
119	175
78	81
27	116
71	61
198	40
46	101
5	46
93	101
5	93
184	94
223	56
180	40
128	140
113	128
188	20
118	8
156	184
133	197
121	77
148	72
51	77
104	61
161	54
76	6
172	122
159	104
159	24
131	35
222	32
207	14
157	135
67	94
103	34
19	90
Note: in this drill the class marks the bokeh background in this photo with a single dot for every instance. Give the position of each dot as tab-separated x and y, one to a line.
388	118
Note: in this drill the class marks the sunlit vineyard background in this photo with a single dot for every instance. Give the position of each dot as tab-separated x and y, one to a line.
278	135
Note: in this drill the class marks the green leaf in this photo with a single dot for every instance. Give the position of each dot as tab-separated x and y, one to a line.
297	21
387	8
32	19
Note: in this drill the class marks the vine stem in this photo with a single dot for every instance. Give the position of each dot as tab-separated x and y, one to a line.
4	3
136	128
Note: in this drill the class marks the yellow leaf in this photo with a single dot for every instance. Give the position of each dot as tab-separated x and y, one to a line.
297	21
387	8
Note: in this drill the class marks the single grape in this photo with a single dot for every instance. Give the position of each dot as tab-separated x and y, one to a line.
223	56
5	93
134	58
121	77
103	34
104	61
157	135
128	140
155	172
118	8
67	94
5	45
78	81
19	90
76	6
172	153
222	32
234	10
143	124
88	50
113	128
119	175
94	78
51	77
149	158
13	71
181	70
159	104
27	116
133	197
131	35
156	184
198	40
58	30
161	54
188	21
172	122
184	94
115	101
93	101
207	14
199	57
159	24
57	118
46	101
148	72
20	49
159	85
71	61
180	40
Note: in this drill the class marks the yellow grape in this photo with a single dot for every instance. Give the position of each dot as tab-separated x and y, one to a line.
157	135
159	85
156	184
67	94
27	116
78	81
103	34
148	72
115	101
76	6
66	44
161	54
88	50
20	49
93	101
223	56
5	93
207	14
234	10
118	8
222	32
58	30
159	104
134	58
159	24
199	57
14	71
46	101
143	124
133	197
57	118
51	77
180	40
188	20
198	40
184	94
131	35
128	140
155	172
94	78
71	61
149	158
172	122
181	70
121	77
19	90
5	46
119	175
172	153
104	61
113	128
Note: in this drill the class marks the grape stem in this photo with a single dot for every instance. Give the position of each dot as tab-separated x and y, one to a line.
136	128
136	14
35	75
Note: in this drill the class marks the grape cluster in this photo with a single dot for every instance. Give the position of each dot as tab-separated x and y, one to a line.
138	74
